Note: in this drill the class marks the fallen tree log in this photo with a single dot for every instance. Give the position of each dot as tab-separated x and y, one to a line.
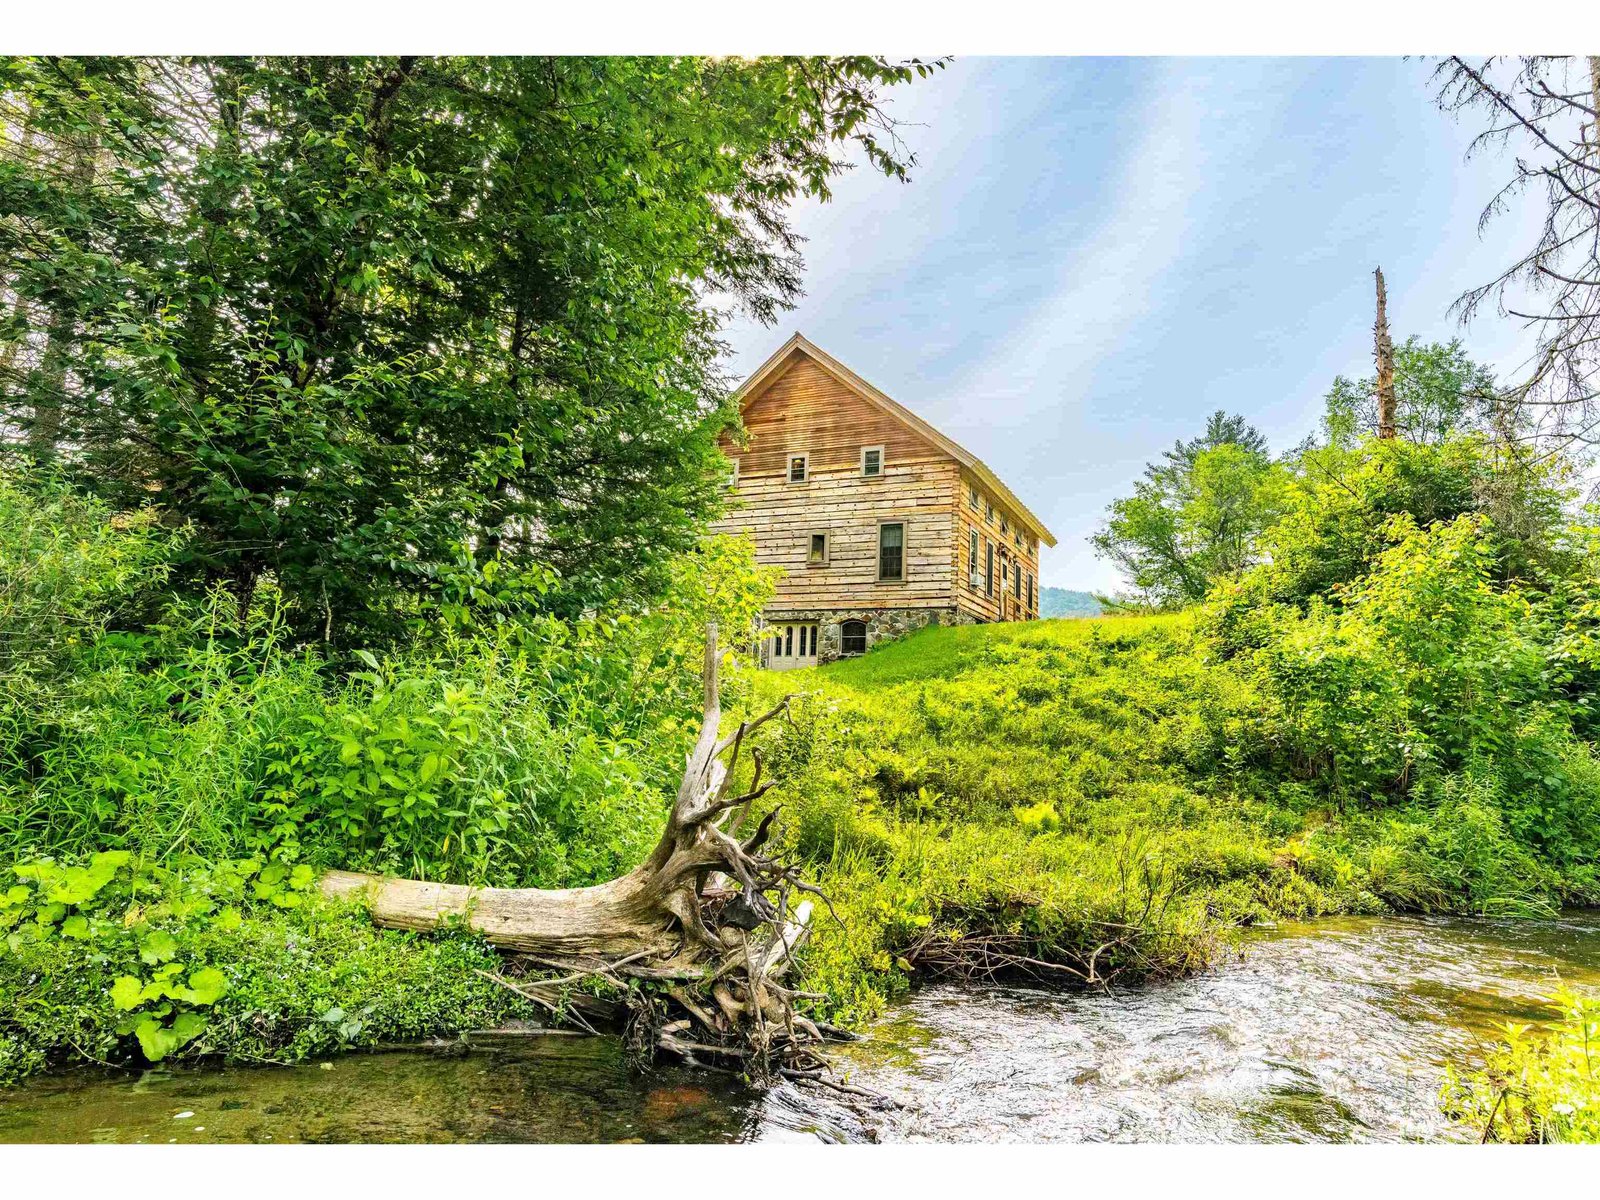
695	941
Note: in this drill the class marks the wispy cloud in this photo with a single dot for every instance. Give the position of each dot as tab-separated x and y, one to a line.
1107	281
1095	253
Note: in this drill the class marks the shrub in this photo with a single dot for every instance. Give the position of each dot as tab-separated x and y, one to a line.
117	961
1539	1084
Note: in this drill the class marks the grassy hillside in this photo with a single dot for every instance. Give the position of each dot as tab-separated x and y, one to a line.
1095	796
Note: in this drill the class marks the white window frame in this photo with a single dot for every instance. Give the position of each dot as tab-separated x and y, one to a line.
788	466
733	471
974	573
827	547
972	497
878	474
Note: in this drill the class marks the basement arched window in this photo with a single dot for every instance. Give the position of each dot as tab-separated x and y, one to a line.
853	637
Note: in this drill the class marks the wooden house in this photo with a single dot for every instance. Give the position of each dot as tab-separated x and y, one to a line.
880	523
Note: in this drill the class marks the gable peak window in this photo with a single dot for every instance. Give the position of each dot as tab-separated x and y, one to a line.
871	461
892	551
1005	527
799	467
988	511
733	472
853	637
972	497
817	550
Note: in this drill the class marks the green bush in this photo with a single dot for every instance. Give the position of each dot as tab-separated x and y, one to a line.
1539	1084
537	753
114	960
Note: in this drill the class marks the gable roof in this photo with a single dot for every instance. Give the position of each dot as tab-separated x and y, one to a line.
798	345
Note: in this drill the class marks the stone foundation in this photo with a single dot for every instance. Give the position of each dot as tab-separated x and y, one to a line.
883	624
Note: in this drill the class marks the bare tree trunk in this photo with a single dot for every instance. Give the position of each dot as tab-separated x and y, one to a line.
1594	102
1383	352
717	953
18	150
50	388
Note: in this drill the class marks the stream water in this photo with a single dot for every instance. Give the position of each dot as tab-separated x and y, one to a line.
1337	1031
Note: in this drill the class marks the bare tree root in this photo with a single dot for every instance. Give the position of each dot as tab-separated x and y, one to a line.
992	956
688	952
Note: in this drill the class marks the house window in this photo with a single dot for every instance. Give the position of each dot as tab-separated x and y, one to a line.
1005	528
798	465
892	551
988	510
733	472
871	461
1030	591
972	497
853	637
817	552
988	567
1016	579
972	556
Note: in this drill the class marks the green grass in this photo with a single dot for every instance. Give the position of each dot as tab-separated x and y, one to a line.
1081	801
1069	784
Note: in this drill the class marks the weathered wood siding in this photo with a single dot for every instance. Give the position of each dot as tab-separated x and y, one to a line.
1020	546
805	410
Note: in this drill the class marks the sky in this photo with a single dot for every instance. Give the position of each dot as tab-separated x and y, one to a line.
1094	254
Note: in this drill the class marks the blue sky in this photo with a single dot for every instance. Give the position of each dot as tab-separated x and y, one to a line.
1093	254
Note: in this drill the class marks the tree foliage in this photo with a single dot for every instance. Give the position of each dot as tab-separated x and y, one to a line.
388	328
1195	516
1439	392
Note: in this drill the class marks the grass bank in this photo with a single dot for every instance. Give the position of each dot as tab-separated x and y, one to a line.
1093	799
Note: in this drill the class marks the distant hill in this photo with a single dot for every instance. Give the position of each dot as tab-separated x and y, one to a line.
1060	602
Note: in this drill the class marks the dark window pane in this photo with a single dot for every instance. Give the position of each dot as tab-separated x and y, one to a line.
891	551
853	637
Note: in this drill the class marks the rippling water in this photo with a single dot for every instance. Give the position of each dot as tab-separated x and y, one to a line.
1333	1032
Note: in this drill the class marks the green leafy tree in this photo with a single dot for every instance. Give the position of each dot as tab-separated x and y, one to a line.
1439	393
370	324
1195	517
